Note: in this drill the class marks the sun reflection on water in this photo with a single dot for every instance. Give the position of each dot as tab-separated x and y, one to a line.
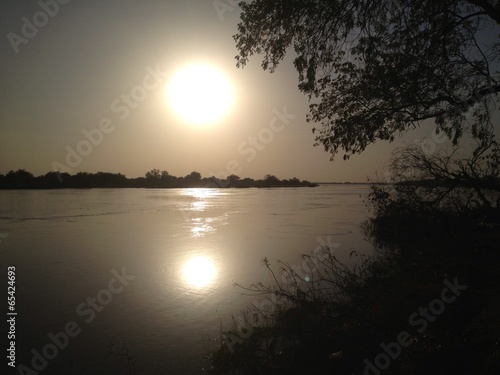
201	227
199	271
200	193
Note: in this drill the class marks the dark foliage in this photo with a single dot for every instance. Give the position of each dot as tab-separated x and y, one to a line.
375	69
155	178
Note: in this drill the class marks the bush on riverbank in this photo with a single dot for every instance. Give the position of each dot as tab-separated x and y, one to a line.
432	238
337	325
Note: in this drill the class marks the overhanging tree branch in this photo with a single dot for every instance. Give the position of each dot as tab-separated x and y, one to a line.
379	67
492	10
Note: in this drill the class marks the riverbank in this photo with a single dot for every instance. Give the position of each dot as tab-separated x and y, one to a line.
155	178
428	303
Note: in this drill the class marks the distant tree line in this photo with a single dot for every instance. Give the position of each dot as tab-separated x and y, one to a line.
22	179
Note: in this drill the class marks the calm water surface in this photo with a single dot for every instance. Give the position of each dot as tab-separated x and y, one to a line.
180	251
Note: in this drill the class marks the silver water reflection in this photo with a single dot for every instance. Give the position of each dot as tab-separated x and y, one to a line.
186	248
199	201
199	270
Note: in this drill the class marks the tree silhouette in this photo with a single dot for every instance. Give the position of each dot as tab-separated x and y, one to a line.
375	69
232	181
270	180
153	174
193	176
22	179
19	179
445	182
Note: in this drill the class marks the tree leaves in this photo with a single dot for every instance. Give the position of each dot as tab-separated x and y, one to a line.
375	69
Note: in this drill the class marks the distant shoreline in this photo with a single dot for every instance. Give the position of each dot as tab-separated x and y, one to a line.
22	179
346	183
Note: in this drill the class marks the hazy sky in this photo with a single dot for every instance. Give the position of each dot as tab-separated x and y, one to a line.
71	73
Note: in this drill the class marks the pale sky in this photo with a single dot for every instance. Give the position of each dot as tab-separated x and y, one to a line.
72	73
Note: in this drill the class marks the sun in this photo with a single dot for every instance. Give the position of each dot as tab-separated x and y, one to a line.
199	271
200	94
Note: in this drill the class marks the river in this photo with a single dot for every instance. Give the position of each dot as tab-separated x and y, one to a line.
153	269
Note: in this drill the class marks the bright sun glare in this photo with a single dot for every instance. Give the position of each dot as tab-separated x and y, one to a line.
200	94
199	272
